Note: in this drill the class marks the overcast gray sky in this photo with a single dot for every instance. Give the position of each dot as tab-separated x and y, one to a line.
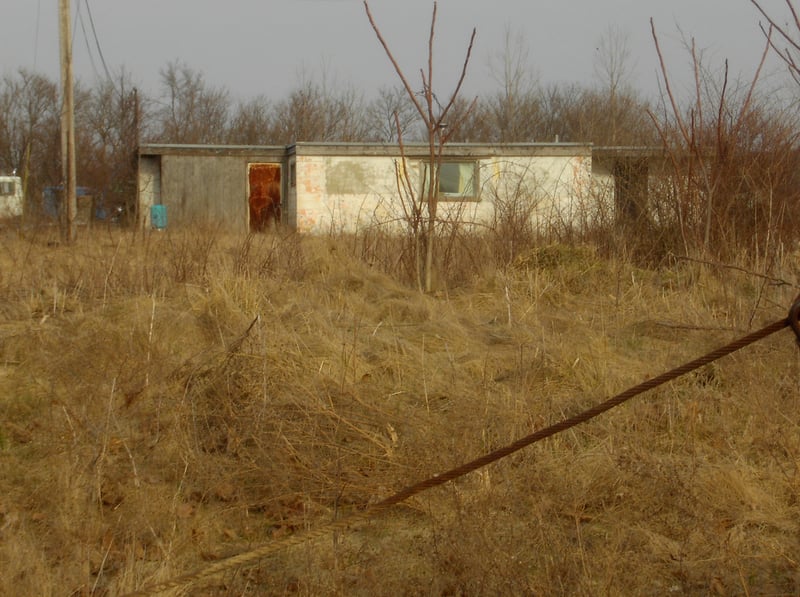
266	47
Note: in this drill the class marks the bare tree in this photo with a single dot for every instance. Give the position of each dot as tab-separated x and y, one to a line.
301	116
472	122
251	123
717	151
388	110
191	111
515	112
346	115
421	209
563	114
608	113
613	67
108	122
320	112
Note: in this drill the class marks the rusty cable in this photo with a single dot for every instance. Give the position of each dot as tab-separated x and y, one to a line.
794	318
372	510
586	415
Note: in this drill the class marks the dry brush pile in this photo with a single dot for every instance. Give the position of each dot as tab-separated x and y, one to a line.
168	400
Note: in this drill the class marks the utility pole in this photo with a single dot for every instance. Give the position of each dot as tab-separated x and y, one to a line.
67	123
133	207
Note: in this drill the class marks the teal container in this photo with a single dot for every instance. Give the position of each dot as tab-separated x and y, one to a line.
158	216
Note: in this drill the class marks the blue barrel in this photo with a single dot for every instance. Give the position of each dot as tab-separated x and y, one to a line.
158	217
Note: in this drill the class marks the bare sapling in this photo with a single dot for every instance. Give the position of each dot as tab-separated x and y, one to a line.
420	206
704	146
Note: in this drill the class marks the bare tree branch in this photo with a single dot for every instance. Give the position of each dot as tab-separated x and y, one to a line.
396	66
670	95
786	53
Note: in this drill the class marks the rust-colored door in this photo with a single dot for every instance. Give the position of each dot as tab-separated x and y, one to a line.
264	195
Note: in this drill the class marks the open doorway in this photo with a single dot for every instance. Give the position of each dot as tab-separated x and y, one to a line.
264	196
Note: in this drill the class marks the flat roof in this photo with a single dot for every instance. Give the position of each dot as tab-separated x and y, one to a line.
628	151
412	150
417	150
220	150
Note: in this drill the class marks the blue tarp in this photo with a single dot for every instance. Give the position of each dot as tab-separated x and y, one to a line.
51	199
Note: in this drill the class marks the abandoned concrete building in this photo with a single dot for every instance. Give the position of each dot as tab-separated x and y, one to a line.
343	187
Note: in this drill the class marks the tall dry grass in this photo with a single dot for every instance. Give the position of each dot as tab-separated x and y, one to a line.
170	399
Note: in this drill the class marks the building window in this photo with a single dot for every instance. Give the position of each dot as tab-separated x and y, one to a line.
293	174
458	181
7	187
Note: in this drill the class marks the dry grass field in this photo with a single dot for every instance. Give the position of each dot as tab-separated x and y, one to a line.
168	400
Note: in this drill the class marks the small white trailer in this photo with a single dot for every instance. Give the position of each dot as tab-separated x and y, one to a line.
11	198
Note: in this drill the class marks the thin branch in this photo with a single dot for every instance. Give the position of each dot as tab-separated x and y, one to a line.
780	29
772	279
721	110
416	208
670	95
429	87
697	90
452	130
784	53
461	78
396	66
748	99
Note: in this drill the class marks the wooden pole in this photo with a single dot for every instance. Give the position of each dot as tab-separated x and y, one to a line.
67	123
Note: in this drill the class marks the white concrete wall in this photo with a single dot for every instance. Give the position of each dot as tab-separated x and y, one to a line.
344	194
149	183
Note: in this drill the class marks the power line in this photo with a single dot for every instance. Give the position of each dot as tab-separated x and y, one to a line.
79	16
86	40
97	41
